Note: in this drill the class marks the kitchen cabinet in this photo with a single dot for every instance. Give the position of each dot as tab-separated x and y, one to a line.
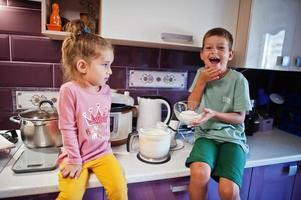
90	194
177	189
144	22
68	10
297	185
273	182
164	24
171	189
244	190
274	30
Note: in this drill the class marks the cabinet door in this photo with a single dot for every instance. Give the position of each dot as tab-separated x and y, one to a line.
171	189
94	194
296	191
272	182
273	33
244	190
144	21
90	194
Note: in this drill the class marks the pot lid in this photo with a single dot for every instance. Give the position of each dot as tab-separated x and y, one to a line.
40	114
118	107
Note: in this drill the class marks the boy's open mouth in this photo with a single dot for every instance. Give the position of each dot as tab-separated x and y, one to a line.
214	60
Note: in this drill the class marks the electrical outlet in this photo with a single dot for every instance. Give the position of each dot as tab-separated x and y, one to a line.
31	99
157	79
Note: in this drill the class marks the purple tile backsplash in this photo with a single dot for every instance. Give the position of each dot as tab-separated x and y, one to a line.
6	100
180	59
3	2
136	57
20	21
57	75
31	60
24	4
35	49
26	75
118	78
4	45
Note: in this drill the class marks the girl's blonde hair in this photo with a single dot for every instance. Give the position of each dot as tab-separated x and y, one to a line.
80	44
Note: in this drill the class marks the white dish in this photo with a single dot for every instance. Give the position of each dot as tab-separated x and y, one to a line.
188	116
185	114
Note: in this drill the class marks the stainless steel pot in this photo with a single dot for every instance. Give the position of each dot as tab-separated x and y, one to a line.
39	127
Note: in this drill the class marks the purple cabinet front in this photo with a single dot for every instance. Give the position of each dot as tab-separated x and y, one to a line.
297	185
273	182
171	189
244	190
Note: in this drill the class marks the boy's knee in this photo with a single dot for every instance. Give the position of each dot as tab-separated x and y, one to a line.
228	191
200	172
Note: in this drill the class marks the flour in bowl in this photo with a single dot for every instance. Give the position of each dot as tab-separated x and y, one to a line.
189	116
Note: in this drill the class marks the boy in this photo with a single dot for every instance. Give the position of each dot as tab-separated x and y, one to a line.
220	148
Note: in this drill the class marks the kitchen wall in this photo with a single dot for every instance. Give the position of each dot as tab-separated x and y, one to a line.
31	61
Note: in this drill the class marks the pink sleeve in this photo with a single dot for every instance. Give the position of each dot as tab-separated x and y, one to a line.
68	126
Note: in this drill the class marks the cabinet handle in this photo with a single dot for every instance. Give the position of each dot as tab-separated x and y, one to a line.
292	170
173	37
179	188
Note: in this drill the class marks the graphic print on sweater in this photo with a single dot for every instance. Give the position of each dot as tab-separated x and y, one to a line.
97	120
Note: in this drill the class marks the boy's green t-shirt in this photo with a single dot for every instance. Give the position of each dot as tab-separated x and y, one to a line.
229	94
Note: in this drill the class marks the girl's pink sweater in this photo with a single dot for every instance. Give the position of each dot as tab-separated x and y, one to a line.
84	122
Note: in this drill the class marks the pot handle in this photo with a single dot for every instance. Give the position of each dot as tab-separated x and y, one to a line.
15	119
130	140
46	101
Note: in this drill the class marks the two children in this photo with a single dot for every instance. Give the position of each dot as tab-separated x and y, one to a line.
84	109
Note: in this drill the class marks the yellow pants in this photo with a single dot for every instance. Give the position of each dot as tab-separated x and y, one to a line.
108	172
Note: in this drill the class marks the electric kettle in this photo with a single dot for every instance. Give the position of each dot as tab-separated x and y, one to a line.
150	111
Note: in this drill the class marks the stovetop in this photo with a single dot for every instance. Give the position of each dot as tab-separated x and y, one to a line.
7	155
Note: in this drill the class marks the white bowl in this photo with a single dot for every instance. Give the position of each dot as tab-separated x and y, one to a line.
185	114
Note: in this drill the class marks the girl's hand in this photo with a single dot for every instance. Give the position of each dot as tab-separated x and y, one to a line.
210	74
71	170
207	114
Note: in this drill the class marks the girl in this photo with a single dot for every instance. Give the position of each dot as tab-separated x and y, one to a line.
84	116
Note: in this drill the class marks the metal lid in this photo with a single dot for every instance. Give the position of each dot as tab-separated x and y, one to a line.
40	114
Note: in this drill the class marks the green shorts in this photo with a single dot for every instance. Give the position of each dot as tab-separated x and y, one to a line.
226	159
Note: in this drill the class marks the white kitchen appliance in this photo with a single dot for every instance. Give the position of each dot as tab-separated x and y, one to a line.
150	111
121	117
153	144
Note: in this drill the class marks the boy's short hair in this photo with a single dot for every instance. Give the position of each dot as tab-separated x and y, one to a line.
219	32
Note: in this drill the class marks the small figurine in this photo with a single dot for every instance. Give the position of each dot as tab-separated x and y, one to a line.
88	24
55	19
